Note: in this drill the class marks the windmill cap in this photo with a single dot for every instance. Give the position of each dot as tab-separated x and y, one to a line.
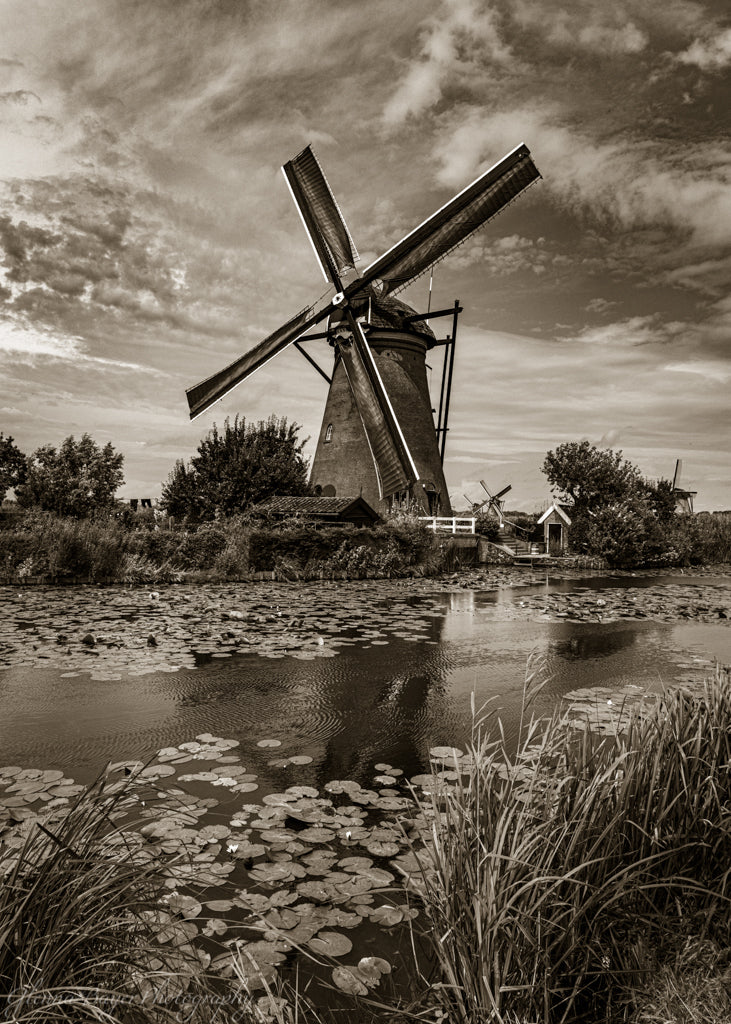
392	313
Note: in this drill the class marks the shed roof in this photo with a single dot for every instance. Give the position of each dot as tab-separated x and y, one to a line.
555	508
317	506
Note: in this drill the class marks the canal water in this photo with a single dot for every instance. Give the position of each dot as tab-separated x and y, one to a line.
383	694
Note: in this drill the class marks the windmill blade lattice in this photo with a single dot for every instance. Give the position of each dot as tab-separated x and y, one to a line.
320	215
454	222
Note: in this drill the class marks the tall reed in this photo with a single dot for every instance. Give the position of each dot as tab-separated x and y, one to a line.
556	874
80	923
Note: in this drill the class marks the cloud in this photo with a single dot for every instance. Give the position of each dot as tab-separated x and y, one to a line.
714	371
710	53
596	28
622	181
27	345
460	38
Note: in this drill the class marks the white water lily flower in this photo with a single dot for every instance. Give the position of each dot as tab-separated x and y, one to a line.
232	847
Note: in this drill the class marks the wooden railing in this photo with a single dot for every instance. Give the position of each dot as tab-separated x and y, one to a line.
449	524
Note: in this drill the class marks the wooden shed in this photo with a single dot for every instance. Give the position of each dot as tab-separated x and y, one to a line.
325	510
556	522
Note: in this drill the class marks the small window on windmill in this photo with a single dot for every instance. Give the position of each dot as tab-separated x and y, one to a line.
329	433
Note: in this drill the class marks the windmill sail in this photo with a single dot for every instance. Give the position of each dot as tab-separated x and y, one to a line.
321	215
208	391
453	223
394	463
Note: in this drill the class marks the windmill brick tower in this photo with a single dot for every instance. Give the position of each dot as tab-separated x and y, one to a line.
378	437
343	464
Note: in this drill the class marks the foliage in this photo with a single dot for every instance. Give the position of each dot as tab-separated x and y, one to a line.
615	513
589	477
80	906
47	545
559	876
710	537
236	468
77	480
487	526
12	465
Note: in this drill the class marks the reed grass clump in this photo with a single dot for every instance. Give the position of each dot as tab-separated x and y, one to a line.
81	938
562	876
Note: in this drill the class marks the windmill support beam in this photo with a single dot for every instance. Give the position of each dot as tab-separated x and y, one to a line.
312	362
430	316
449	351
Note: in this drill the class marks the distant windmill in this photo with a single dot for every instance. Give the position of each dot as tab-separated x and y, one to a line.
378	437
493	500
683	498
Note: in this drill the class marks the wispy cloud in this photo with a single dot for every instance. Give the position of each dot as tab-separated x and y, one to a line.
712	52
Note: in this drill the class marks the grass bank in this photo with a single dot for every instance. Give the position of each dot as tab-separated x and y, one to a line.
41	546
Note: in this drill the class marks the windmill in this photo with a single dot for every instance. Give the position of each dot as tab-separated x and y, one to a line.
378	436
683	498
493	502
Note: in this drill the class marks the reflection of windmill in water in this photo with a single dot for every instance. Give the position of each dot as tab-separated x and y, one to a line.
378	437
683	498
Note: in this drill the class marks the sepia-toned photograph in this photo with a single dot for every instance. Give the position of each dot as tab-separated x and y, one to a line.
365	512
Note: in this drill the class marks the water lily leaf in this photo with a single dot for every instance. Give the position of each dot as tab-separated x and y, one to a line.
392	803
282	918
370	969
355	864
214	926
282	898
331	944
219	906
445	753
341	786
386	916
157	771
306	791
316	835
246	850
300	759
348	980
185	906
383	849
269	743
270	873
254	901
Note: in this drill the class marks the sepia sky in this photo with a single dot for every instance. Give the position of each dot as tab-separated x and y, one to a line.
147	236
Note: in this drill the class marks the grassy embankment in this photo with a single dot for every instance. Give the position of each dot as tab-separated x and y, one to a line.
133	550
107	550
583	878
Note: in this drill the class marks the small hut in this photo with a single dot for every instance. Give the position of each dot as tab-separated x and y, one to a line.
556	523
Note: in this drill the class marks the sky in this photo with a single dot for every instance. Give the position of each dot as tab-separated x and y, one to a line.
147	236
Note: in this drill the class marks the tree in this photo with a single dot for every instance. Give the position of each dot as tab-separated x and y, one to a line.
77	480
588	477
12	465
615	513
236	468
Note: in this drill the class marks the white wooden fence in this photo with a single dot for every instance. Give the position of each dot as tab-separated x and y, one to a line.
449	524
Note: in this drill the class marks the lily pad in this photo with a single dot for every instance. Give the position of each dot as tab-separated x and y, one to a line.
331	944
348	980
